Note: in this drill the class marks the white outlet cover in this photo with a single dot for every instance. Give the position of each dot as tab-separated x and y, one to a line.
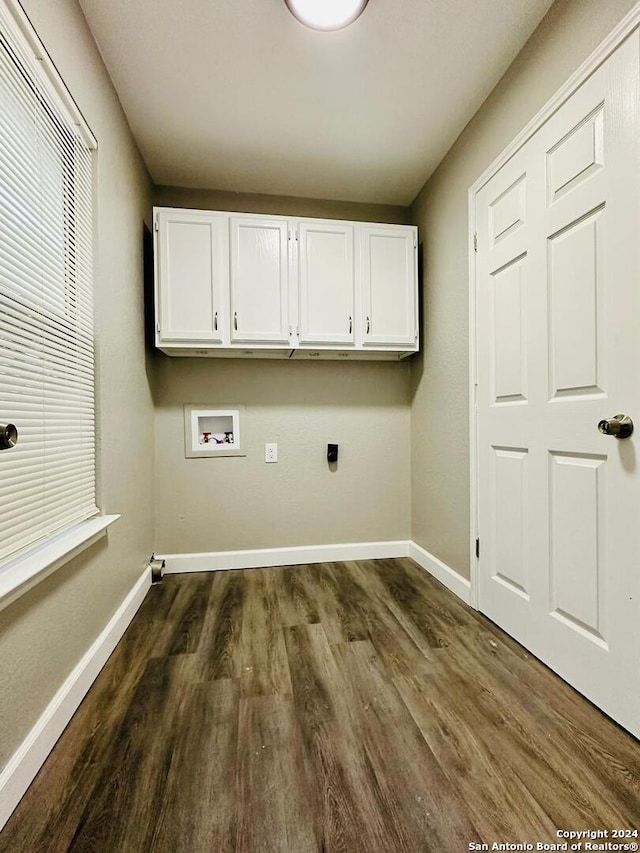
271	452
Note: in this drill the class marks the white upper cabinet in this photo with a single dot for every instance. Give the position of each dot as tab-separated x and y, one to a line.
388	265
259	277
193	270
327	281
244	285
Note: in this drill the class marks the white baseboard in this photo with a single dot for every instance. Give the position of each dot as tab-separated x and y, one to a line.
217	561
31	754
441	571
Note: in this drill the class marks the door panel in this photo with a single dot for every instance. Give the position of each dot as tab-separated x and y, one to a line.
510	507
558	297
509	376
507	211
576	156
576	582
259	272
575	303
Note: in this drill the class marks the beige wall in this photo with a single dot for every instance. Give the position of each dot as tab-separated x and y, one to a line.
234	503
280	205
45	633
440	377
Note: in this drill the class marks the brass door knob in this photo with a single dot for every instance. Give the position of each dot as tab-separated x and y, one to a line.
620	426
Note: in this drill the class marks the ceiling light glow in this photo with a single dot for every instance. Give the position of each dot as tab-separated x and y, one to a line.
326	14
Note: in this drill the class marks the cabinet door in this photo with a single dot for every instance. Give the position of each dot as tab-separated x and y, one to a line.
259	280
191	276
327	282
389	286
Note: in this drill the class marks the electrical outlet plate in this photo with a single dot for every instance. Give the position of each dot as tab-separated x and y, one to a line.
271	452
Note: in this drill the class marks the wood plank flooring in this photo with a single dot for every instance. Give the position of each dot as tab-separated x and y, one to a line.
352	707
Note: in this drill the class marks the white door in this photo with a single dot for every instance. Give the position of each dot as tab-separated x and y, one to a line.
259	273
558	349
388	257
192	276
327	282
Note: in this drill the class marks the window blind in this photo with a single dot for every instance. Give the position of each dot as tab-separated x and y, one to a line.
47	481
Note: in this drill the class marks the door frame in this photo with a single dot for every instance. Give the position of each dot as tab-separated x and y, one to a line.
600	55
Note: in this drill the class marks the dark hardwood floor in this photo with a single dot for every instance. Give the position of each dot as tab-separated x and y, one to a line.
355	707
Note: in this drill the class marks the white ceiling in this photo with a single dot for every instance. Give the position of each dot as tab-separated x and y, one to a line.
237	95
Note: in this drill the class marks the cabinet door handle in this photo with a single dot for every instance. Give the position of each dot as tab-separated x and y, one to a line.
235	320
368	325
215	322
350	325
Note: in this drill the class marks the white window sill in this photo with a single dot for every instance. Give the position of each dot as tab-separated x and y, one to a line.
26	570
